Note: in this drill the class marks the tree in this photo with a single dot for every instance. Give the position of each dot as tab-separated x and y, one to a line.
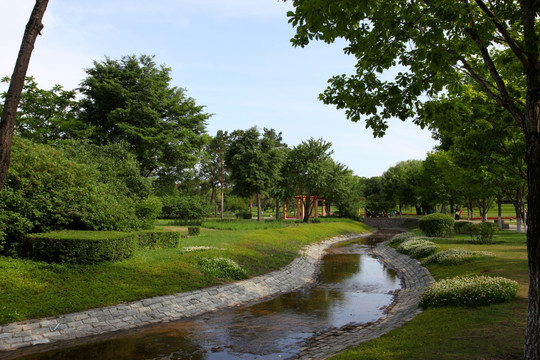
47	115
131	100
438	46
399	183
9	111
253	161
213	167
306	171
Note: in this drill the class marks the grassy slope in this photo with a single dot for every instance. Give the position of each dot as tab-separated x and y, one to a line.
30	289
488	332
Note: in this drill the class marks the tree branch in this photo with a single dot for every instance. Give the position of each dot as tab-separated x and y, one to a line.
514	46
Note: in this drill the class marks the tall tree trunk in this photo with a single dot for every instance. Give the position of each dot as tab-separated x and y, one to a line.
532	335
499	211
307	207
277	209
13	96
213	200
221	182
259	217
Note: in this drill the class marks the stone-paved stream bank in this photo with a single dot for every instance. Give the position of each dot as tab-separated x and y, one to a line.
357	306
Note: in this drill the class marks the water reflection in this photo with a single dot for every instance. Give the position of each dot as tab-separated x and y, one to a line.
352	287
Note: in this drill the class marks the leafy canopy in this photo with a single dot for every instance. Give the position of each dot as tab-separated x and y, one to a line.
131	100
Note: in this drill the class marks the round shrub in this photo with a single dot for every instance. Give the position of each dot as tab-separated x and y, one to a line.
455	256
224	268
436	225
483	233
417	248
469	291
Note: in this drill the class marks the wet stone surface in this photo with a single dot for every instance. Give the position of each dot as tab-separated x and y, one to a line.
239	328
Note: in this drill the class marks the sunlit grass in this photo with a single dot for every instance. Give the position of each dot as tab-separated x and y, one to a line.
31	289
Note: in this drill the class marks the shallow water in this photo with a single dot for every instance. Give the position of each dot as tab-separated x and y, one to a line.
352	287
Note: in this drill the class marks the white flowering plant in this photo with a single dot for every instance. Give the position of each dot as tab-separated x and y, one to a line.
455	256
417	248
187	249
469	291
402	237
222	267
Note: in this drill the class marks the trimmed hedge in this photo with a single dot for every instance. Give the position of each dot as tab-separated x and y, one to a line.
158	239
92	247
436	225
80	247
194	231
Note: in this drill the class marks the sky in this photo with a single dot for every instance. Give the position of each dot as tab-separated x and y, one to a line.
232	56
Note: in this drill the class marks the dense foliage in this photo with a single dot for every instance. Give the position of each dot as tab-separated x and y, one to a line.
184	207
131	100
46	190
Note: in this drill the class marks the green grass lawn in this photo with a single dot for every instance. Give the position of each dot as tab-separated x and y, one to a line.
31	289
486	332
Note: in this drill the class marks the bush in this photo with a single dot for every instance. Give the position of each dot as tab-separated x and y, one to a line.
46	191
455	256
80	247
464	228
158	239
436	225
184	207
469	291
483	233
224	268
246	215
399	238
194	231
148	210
417	248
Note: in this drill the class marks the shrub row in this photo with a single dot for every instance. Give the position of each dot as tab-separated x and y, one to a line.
87	247
469	291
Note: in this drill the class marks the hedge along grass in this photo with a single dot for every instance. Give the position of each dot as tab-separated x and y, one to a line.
34	289
486	332
81	247
91	247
